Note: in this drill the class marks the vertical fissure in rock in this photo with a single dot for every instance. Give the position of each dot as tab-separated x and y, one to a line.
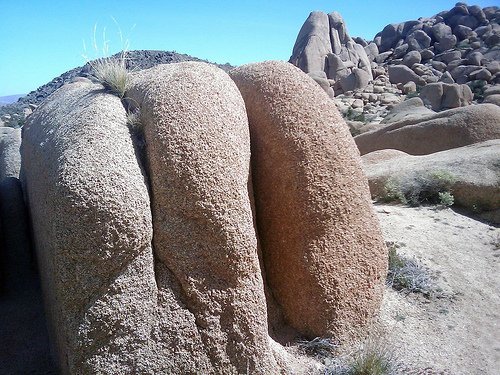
140	149
136	130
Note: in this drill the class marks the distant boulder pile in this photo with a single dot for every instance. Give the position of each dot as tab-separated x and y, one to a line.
409	92
449	60
456	46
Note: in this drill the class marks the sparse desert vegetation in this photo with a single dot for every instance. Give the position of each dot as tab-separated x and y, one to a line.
112	73
205	218
430	188
406	274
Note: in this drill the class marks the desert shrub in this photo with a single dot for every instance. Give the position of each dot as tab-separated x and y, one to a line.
352	115
393	192
134	120
429	188
478	87
372	360
112	74
319	347
407	275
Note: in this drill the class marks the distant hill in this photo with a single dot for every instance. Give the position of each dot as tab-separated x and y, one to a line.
12	112
4	100
136	60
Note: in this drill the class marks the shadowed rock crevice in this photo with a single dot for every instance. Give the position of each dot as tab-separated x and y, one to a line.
24	343
278	329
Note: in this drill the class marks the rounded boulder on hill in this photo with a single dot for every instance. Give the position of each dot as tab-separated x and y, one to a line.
92	229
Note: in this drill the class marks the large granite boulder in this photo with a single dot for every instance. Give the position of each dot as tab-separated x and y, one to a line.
411	58
418	40
199	161
403	74
473	173
412	108
389	36
199	295
323	251
92	229
190	301
440	96
313	43
436	132
444	38
323	45
357	80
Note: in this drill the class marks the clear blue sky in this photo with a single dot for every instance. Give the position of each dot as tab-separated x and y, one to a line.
40	40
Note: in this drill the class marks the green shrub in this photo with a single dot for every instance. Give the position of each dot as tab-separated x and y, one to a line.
430	188
478	88
393	191
373	359
354	115
371	363
446	198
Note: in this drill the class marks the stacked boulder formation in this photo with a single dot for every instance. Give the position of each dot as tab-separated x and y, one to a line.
450	60
410	94
460	46
327	53
243	224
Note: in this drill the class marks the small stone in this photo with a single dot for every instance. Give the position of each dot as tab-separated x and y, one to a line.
358	103
411	58
426	54
409	87
481	74
439	65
